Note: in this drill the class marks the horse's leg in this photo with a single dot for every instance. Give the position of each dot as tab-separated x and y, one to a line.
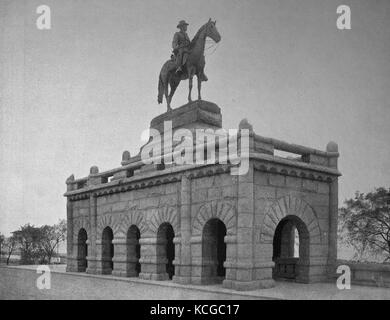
199	86
174	84
190	88
167	96
190	78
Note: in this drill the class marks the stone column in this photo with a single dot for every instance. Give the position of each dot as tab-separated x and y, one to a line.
196	259
239	272
99	265
120	257
71	263
332	148
92	257
153	260
183	245
333	223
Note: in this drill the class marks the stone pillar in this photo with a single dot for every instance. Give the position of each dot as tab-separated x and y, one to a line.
239	272
182	243
71	263
333	223
99	265
153	263
120	257
196	259
332	148
92	257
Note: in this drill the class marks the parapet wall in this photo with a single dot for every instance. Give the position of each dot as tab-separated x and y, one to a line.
369	274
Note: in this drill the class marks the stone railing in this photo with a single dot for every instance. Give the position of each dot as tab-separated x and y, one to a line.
371	274
326	158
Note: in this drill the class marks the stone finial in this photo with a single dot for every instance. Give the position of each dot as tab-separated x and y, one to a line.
70	179
94	170
244	124
126	156
332	147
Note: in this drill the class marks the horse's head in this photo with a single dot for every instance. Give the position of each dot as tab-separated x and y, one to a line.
211	31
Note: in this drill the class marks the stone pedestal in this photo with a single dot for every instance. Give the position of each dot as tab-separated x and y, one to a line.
194	115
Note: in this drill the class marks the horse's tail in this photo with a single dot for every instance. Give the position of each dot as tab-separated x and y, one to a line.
160	90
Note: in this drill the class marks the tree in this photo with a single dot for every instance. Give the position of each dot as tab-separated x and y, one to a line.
365	220
30	239
52	236
10	245
2	239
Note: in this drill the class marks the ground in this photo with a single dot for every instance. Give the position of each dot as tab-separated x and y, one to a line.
20	283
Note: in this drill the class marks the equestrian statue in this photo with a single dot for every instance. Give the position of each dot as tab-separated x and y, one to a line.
186	61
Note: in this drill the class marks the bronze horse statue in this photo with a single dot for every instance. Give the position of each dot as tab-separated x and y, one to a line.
194	65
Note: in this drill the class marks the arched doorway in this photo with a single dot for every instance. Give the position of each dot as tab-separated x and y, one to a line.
166	248
213	251
133	251
107	251
291	245
82	251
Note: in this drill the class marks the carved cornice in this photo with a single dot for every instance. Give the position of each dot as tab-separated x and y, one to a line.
294	168
170	175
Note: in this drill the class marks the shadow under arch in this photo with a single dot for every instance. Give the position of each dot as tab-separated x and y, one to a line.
107	251
133	249
213	251
82	251
166	248
291	250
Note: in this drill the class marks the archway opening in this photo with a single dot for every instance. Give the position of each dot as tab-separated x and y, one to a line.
133	252
166	247
213	251
291	249
107	251
82	251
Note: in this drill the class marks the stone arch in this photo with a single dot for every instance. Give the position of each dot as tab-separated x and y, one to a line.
133	251
165	214
222	210
111	221
287	265
133	217
107	252
290	206
82	250
213	251
80	223
165	248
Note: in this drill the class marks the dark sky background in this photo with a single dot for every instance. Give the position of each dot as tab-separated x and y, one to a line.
81	93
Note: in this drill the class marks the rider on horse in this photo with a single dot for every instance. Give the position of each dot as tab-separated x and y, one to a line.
180	45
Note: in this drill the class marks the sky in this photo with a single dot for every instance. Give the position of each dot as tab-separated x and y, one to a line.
81	93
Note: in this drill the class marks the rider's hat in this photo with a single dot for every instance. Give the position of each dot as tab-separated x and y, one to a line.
182	23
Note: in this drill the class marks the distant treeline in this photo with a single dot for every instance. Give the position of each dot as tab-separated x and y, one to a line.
34	245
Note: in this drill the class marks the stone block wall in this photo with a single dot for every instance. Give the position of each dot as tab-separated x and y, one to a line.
280	193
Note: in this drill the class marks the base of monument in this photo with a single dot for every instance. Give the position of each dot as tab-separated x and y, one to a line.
248	285
154	276
119	273
193	115
181	280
